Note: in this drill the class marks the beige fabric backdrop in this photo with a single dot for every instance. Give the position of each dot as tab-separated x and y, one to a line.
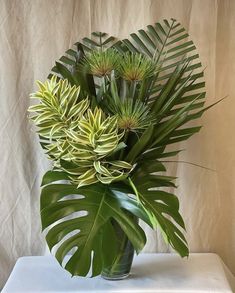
34	33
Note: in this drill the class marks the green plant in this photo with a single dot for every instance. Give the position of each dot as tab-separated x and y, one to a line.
136	67
101	63
105	118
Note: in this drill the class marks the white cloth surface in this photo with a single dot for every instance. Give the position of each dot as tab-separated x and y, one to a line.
150	273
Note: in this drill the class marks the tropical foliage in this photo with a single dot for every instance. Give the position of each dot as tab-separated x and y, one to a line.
105	117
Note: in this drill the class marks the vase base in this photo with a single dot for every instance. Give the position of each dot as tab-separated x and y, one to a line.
115	278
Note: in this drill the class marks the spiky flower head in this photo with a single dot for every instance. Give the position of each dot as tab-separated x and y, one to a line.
136	67
78	140
101	63
133	115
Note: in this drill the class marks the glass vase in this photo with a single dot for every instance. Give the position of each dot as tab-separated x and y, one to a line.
121	266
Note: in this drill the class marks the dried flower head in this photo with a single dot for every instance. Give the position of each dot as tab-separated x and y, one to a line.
133	115
101	63
136	67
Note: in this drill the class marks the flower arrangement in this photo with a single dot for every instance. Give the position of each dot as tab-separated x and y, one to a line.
105	117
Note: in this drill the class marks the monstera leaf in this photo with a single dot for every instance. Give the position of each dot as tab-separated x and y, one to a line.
93	233
160	204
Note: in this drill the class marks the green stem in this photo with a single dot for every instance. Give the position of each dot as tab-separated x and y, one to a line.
101	46
132	89
124	86
124	140
119	255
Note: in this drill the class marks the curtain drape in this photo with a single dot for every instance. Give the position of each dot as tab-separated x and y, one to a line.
35	33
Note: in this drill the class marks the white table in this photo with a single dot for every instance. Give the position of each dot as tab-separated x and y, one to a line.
150	273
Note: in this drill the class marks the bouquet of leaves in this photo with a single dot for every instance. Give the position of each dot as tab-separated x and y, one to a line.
106	116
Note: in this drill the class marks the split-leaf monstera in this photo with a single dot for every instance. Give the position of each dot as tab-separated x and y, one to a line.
96	234
106	115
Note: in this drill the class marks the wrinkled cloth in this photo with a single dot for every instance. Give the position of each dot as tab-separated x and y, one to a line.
155	273
33	34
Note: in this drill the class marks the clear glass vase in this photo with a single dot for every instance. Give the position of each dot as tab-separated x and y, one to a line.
120	269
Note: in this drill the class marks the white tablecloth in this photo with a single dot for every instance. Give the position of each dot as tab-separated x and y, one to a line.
150	273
